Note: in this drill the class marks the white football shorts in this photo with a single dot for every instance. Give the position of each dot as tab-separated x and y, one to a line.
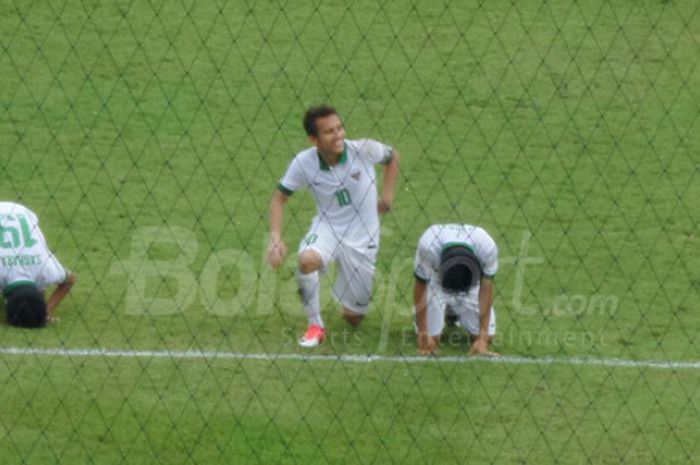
464	305
356	266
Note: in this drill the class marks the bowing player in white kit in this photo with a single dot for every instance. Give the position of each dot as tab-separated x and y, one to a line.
340	173
454	269
28	268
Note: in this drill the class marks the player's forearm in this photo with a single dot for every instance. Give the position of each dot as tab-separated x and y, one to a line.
391	174
420	305
60	293
276	216
485	304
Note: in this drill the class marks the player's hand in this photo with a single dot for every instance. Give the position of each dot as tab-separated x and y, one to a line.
51	319
481	347
384	205
427	344
276	251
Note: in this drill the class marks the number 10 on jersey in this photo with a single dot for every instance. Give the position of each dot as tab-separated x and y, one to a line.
343	197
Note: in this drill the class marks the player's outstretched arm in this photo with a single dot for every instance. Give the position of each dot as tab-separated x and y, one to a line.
426	344
480	346
276	250
58	295
391	174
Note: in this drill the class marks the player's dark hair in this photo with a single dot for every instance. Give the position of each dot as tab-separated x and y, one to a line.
459	269
313	114
457	278
26	307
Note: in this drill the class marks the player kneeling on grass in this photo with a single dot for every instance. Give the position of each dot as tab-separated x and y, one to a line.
340	174
454	269
27	268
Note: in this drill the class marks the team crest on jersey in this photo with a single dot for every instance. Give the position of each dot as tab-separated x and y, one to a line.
355	175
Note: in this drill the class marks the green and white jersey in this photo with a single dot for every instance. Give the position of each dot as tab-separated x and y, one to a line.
346	194
442	236
24	255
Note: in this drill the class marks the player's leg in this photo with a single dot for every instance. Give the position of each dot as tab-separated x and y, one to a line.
310	260
353	316
436	312
451	318
308	283
315	252
353	286
468	313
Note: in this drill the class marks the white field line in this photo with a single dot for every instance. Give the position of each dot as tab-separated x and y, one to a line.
214	355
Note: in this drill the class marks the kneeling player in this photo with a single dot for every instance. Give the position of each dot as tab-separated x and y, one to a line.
454	269
27	268
341	175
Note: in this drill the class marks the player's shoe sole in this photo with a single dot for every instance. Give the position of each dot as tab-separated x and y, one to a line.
313	337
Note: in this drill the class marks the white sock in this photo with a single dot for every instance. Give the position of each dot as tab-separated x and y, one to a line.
310	296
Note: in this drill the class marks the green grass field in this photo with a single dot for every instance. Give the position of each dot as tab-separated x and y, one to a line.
149	137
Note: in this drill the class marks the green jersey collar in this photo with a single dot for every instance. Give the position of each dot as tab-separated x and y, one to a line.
449	245
12	286
324	165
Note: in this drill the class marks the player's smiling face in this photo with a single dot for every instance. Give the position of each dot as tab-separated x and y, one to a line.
331	135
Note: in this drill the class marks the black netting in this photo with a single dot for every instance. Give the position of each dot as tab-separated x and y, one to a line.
148	138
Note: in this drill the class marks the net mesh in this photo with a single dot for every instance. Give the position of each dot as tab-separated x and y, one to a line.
149	136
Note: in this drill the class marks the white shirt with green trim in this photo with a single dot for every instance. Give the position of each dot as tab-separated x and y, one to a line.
24	255
441	236
346	194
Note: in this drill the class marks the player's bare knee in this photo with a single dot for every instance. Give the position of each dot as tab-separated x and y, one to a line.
309	261
352	317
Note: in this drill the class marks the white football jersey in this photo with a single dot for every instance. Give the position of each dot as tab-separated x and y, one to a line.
346	194
441	236
24	255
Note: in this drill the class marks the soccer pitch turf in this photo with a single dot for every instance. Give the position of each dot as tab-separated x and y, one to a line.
149	138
